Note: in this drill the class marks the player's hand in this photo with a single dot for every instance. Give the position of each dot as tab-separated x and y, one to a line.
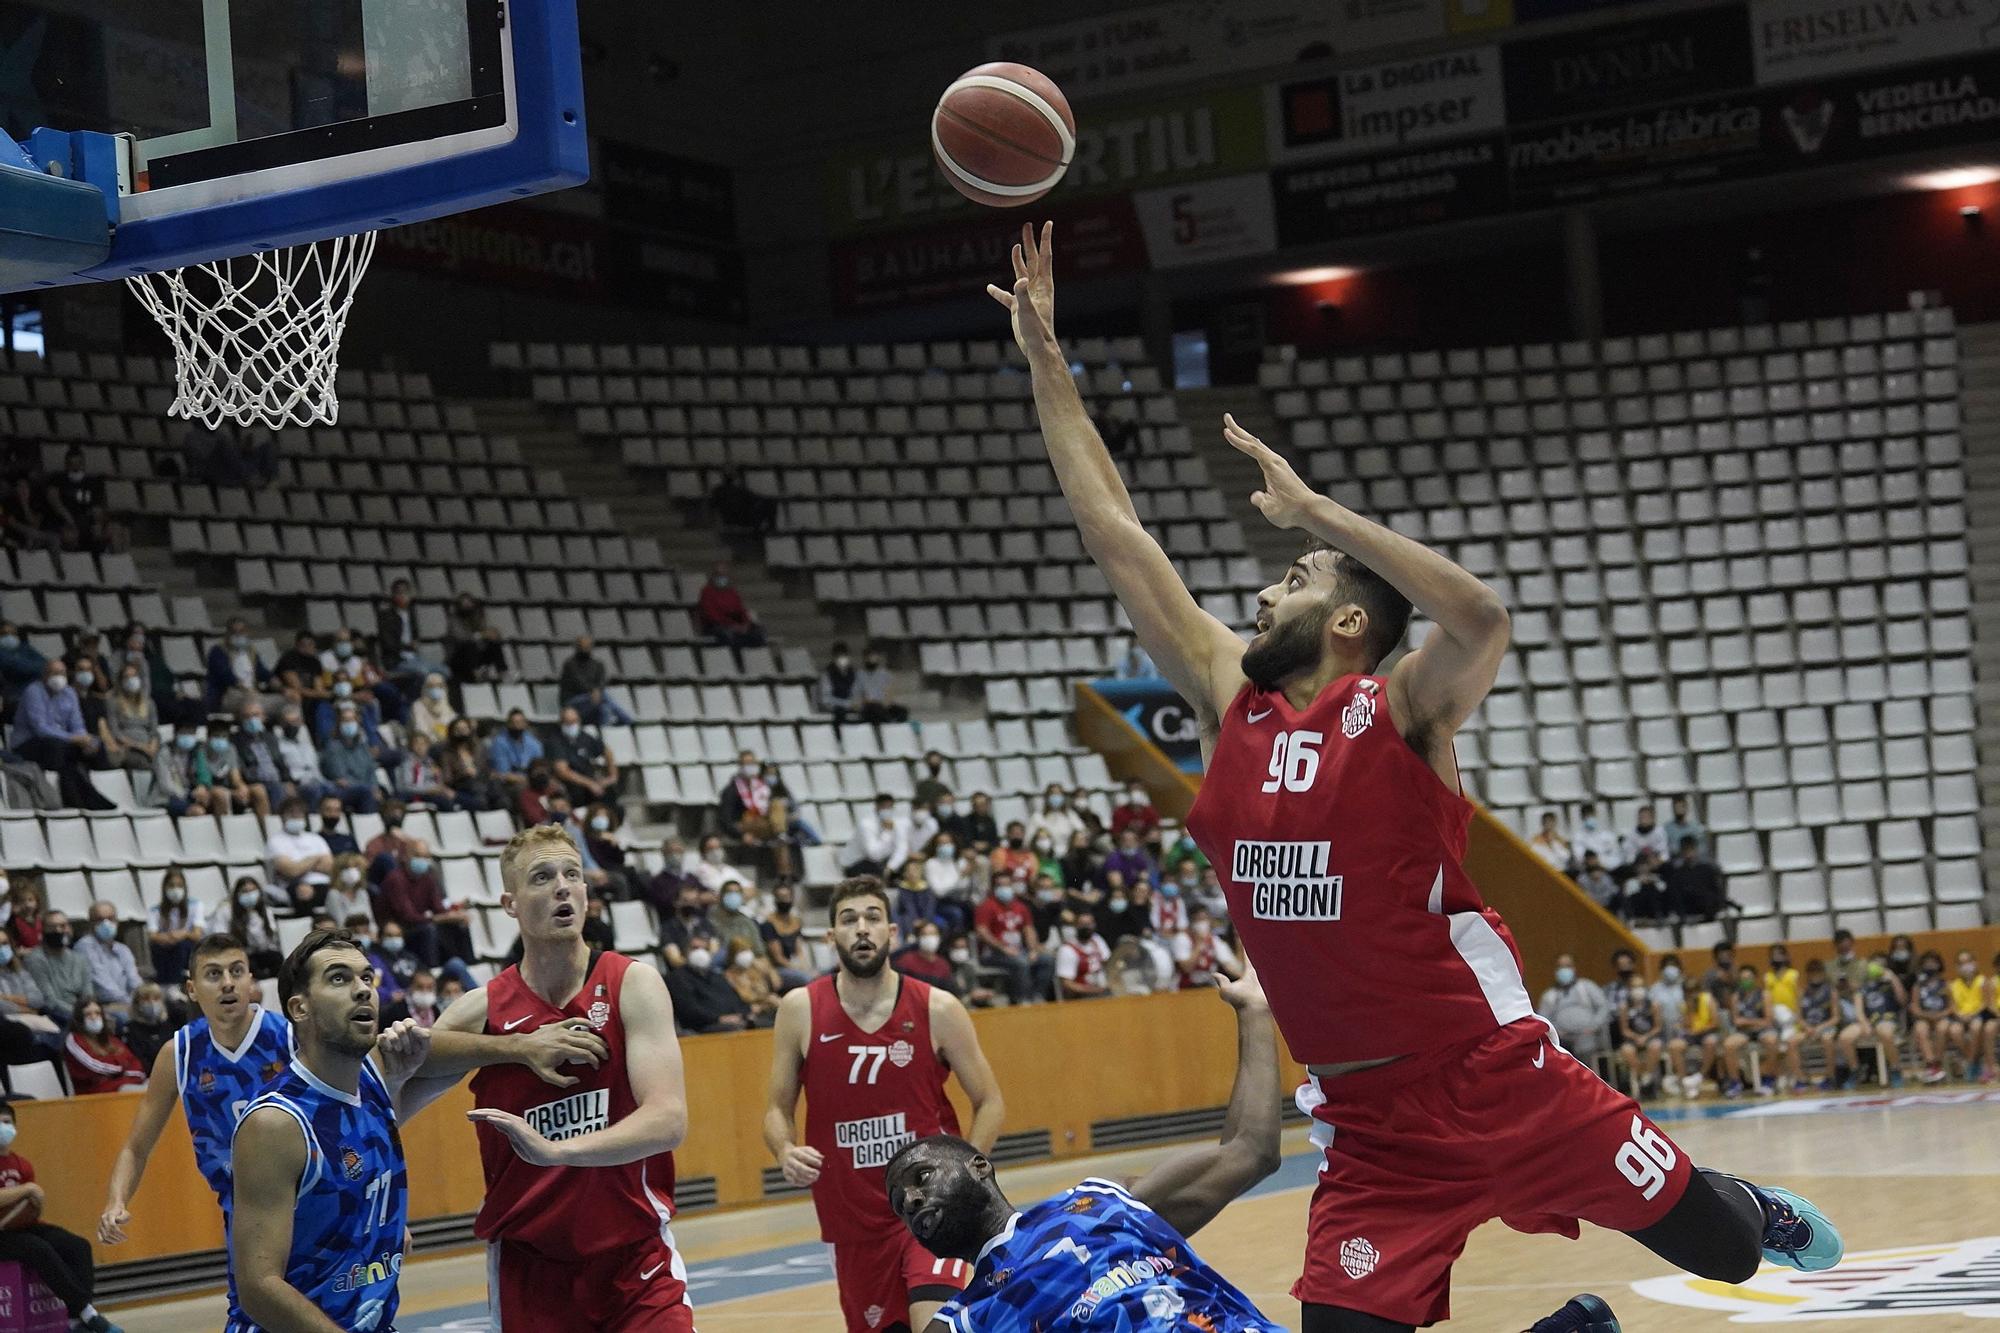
1284	499
402	1049
801	1165
1246	992
111	1226
528	1144
1032	298
571	1042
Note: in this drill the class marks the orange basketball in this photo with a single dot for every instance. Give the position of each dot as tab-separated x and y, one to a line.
1003	134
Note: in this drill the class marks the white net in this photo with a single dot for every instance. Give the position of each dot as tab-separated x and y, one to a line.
257	338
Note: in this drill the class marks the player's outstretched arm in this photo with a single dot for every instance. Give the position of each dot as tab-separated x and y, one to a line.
1197	653
800	1163
460	1044
1190	1188
1435	688
267	1160
958	1043
652	1063
155	1109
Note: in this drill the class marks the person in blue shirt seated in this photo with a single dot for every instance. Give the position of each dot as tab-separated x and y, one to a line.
49	732
514	750
1110	1254
20	664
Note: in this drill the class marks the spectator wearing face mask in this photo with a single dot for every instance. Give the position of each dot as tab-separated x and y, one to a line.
1903	960
585	685
256	757
1640	1030
915	902
980	834
1054	817
876	688
387	848
1006	929
1696	1044
114	973
49	732
1819	1024
924	959
1081	962
704	1001
1080	862
687	928
782	934
61	1259
1138	813
62	974
1695	887
419	779
1013	856
839	686
1781	979
396	634
754	980
1593	836
1750	1020
1047	852
514	750
1645	897
756	811
731	919
1882	1005
1550	844
347	895
96	1060
419	1002
581	763
1646	836
396	965
1130	859
1720	979
710	868
226	774
248	918
464	767
1577	1009
130	729
174	926
1624	979
880	845
235	671
297	859
1169	908
1933	1029
299	672
946	872
1684	824
1847	965
473	649
413	897
721	615
1200	954
1970	994
298	755
1667	993
1596	881
432	714
347	762
1122	915
151	1024
333	827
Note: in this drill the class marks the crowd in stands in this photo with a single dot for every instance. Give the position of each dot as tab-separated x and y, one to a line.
1648	874
1746	1028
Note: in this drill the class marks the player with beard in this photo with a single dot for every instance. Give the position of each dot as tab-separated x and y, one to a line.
1332	812
871	1049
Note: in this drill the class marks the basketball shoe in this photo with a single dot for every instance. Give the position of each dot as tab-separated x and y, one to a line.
1583	1314
1796	1234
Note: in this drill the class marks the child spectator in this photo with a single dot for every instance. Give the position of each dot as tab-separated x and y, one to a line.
60	1258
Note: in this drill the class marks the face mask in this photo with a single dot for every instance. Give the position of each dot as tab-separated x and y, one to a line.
699	959
1044	846
1626	969
239	642
184	742
744	958
94	1026
571	731
749	771
1565	976
842	663
945	849
1016	843
105	930
1780	964
435	694
1746	984
945	809
1812	980
6	954
1119	904
422	999
1171	889
1670	974
1048	895
1933	969
57	684
295	826
1900	956
392	944
56	939
349	730
249	898
721	580
1590	823
133	684
1057	801
714	855
342	689
1004	893
1135	797
420	865
7	1133
927	943
601	822
961	955
9	642
85	679
732	902
152	1013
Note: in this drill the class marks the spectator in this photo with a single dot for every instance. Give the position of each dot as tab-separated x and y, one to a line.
1720	979
754	980
980	834
388	848
839	689
599	839
26	520
354	679
1169	908
347	896
915	902
598	933
419	780
61	972
396	635
1132	860
584	680
704	1001
1200	955
1080	864
333	828
1819	1025
933	786
1624	978
1969	998
925	959
1080	962
663	891
721	614
226	775
1592	836
1697	1038
299	672
1646	836
257	757
1847	965
1749	1008
729	917
1596	881
1577	1009
151	1025
965	972
1550	844
740	507
946	872
473	649
755	812
114	973
687	928
173	927
96	1059
1903	960
923	824
952	820
514	750
1013	856
1137	812
396	965
542	790
298	755
21	998
880	845
249	920
1641	1047
1695	887
130	729
180	776
1645	897
1049	908
451	988
581	763
1124	914
1006	929
1184	852
420	1001
783	933
22	910
1781	979
1667	993
49	732
1932	1026
431	715
876	690
413	898
1055	817
1685	825
465	768
20	664
709	867
347	763
235	671
298	860
76	500
61	1259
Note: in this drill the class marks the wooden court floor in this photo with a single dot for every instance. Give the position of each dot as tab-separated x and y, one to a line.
1915	1186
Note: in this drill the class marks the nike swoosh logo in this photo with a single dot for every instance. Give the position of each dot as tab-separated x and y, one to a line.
509	1027
1255	718
834	1037
1541	1053
649	1272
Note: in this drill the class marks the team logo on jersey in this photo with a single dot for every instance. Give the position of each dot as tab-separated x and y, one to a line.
1000	1278
206	1081
357	1276
351	1164
875	1140
1082	1203
600	1014
1358	716
1119	1277
1288	881
1914	1283
1358	1258
873	1314
272	1070
901	1053
567	1117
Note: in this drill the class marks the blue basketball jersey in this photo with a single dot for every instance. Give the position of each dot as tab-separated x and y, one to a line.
347	1233
216	1085
1096	1258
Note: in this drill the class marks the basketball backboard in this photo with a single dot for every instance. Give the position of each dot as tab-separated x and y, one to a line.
215	128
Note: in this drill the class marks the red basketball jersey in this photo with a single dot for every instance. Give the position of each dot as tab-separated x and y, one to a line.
566	1212
1341	855
867	1095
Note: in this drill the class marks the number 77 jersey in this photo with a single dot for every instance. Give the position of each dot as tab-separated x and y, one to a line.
867	1095
1341	854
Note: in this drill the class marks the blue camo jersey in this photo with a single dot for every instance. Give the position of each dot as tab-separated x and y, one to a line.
1095	1258
347	1232
216	1085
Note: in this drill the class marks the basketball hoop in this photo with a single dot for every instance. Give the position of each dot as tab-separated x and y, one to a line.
257	338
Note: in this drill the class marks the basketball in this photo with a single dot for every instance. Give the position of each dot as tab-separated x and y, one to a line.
1003	134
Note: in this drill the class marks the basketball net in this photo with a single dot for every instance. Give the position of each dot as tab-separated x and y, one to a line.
257	338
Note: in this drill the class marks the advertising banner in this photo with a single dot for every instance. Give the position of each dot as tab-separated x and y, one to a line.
1096	237
1632	151
1210	220
1390	191
664	192
1595	70
1444	96
1934	106
1159	714
1795	40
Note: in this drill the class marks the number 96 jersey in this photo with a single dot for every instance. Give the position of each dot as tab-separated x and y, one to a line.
1341	854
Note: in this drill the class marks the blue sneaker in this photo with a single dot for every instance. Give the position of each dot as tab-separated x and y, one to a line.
1584	1314
1796	1234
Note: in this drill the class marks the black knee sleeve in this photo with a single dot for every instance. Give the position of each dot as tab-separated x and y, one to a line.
1716	1231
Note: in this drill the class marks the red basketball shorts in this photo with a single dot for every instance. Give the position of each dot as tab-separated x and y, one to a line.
636	1288
1422	1151
880	1276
